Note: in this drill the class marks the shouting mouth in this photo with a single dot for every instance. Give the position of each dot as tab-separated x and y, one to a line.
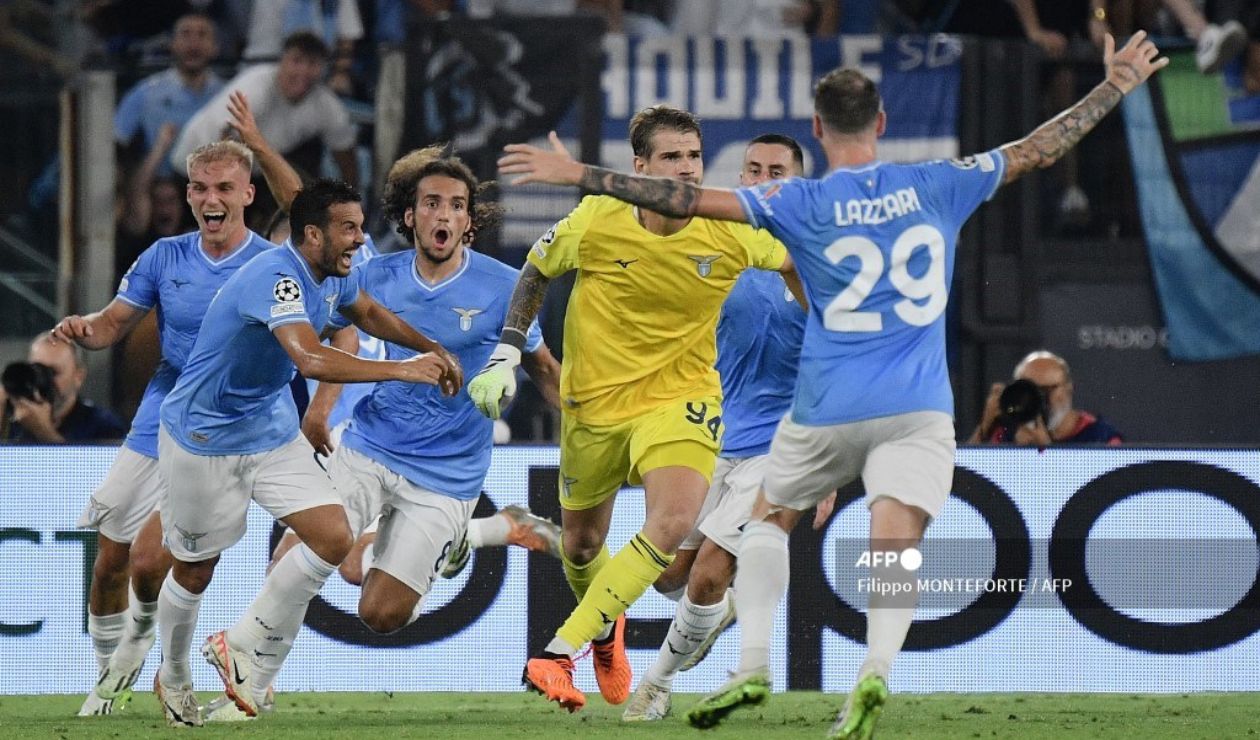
214	219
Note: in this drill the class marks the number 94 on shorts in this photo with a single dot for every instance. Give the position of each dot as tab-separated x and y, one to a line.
596	460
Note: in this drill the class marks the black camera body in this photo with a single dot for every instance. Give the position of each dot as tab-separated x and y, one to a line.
1021	402
32	380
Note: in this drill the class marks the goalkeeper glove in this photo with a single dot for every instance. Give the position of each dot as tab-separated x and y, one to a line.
492	389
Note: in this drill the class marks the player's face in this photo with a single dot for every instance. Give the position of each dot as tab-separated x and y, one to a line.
341	239
218	193
1048	375
764	162
674	154
297	74
193	44
440	217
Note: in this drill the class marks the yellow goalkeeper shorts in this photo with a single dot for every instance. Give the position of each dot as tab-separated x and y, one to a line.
595	461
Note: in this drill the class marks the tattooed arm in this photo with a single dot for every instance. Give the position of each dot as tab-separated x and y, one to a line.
527	299
664	196
1126	69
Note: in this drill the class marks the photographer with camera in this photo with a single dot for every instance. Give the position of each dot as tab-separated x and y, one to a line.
1036	409
42	403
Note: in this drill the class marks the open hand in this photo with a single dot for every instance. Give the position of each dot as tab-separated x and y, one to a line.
533	164
1133	64
243	123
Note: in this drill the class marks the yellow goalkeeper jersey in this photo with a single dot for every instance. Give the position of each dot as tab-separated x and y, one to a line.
641	322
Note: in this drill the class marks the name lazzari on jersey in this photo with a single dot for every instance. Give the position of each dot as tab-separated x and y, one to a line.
877	210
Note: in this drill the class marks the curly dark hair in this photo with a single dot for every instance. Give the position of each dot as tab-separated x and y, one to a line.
404	178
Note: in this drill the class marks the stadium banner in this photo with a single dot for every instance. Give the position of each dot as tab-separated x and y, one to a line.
1196	160
481	84
1094	570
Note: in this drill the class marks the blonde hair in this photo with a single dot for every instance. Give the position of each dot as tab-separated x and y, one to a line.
225	150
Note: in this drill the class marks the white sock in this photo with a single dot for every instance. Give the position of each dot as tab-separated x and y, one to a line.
137	635
106	631
274	618
692	624
177	618
886	628
488	531
560	647
760	583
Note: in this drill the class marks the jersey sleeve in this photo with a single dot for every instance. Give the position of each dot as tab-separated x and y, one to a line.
772	204
272	299
961	185
764	251
533	337
139	286
556	252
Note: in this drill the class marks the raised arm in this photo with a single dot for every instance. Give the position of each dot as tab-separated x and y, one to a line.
1126	69
379	321
135	220
282	179
662	195
101	329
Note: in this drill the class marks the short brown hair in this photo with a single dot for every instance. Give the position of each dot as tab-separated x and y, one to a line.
404	178
847	101
221	151
648	121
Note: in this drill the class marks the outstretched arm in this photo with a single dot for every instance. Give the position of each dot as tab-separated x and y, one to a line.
379	321
1126	69
662	195
492	389
100	329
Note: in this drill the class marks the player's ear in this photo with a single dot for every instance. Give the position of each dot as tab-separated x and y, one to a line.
881	123
249	193
409	218
311	233
639	164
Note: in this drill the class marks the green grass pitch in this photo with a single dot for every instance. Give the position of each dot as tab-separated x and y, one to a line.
453	716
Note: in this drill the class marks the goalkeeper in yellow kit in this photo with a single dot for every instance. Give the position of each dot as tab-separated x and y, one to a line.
641	400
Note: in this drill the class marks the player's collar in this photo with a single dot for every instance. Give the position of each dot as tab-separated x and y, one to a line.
293	251
463	266
249	236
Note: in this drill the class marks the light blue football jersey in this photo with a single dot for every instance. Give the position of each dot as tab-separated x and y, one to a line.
370	348
759	346
874	247
438	443
233	396
179	279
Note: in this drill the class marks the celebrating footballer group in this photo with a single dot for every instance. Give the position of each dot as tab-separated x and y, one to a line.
737	397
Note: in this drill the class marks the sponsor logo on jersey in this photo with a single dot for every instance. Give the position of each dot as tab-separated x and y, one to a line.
466	316
704	263
625	263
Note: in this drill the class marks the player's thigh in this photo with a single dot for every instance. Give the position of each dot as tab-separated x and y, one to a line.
289	479
360	483
712	499
204	500
125	499
806	463
416	534
594	462
724	525
911	460
684	433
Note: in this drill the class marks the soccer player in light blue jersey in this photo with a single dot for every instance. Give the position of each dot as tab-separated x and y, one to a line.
874	244
409	454
176	276
758	344
229	427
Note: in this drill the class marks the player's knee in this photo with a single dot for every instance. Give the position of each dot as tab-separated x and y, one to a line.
582	547
706	586
351	570
334	545
149	566
109	572
671	579
384	618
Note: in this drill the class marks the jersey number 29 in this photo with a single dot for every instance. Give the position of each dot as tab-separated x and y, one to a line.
924	297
